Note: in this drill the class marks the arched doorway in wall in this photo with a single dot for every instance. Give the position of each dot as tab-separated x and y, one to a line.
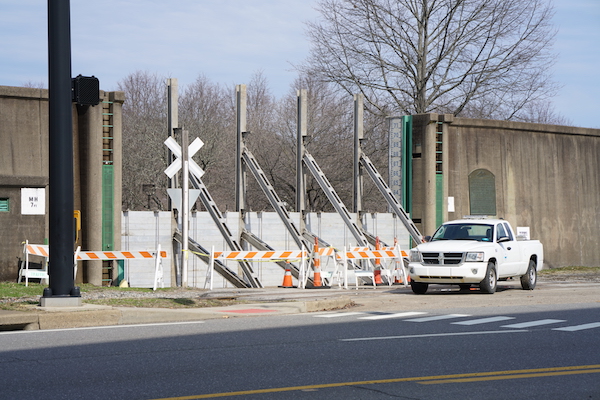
482	192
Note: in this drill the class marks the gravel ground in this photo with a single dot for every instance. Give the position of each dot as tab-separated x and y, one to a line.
173	293
231	294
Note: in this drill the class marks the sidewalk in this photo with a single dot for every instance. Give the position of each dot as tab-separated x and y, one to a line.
256	302
279	301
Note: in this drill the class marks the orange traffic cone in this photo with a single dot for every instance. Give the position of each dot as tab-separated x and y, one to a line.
398	277
377	272
317	264
287	278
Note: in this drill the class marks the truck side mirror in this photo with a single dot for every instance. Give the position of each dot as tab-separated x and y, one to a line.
427	238
503	239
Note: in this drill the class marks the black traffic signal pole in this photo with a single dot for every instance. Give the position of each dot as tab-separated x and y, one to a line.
61	204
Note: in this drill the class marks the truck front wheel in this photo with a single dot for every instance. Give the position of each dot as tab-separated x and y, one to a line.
418	287
529	280
489	283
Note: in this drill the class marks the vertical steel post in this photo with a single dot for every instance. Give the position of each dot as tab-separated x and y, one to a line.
172	123
358	136
185	206
61	203
240	173
302	122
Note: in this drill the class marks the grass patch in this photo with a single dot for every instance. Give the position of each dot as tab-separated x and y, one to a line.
18	297
163	302
9	290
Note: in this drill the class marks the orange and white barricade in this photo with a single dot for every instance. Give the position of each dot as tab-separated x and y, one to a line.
327	275
356	255
157	256
395	272
39	250
43	251
269	255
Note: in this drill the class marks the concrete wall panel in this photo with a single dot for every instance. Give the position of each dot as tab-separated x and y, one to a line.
546	178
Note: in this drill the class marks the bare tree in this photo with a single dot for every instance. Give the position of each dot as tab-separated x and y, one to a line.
204	111
542	112
265	143
467	57
144	131
329	139
34	85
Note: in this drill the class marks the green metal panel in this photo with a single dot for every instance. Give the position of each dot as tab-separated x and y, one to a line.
4	205
121	271
107	207
439	199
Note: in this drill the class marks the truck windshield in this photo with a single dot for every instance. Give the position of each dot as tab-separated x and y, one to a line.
479	232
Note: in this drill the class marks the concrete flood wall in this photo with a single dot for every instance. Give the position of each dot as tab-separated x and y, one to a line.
24	160
544	177
144	230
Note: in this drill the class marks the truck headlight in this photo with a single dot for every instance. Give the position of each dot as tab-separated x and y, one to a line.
475	256
415	256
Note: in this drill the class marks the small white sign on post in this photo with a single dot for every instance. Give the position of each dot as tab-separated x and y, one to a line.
175	195
33	201
523	232
451	204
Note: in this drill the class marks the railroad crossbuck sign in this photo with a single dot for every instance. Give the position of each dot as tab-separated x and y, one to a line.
176	165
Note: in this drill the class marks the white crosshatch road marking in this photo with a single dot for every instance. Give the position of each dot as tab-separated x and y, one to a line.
470	322
533	323
483	320
336	315
578	327
394	315
437	318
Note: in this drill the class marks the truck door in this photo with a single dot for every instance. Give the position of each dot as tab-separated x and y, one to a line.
510	251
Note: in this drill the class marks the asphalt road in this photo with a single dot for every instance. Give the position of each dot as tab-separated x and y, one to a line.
458	350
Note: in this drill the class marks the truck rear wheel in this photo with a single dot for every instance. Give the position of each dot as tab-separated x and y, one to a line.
419	287
489	283
529	280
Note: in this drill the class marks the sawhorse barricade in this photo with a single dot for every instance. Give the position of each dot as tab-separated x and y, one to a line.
42	250
393	253
274	255
157	255
39	250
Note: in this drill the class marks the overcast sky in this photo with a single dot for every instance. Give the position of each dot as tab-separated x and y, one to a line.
230	40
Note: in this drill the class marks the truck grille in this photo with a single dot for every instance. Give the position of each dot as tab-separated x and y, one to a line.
442	258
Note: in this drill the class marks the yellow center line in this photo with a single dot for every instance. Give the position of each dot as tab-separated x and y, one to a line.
426	380
518	376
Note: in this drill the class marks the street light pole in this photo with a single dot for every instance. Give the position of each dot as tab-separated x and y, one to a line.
60	153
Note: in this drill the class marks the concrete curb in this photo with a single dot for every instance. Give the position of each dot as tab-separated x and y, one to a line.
88	315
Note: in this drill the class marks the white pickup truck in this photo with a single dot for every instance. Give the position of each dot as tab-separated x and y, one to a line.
475	251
